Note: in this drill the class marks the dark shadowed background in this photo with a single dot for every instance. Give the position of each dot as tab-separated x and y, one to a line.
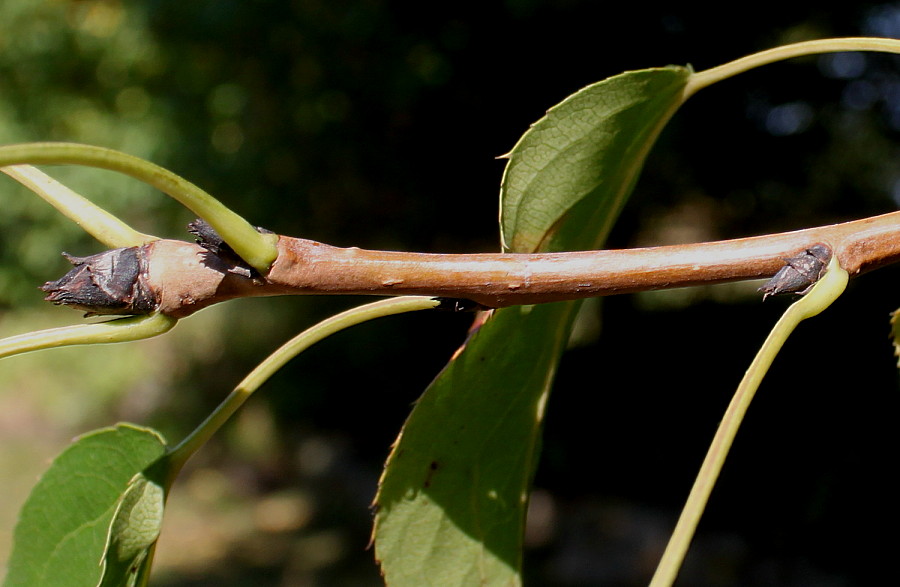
378	124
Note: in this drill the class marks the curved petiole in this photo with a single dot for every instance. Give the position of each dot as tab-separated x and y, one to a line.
184	450
119	330
93	219
823	293
257	249
708	77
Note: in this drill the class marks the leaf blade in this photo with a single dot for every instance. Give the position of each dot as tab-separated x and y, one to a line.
62	529
455	498
134	529
563	187
588	148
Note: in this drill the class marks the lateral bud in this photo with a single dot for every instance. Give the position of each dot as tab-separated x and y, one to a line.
799	273
209	239
111	282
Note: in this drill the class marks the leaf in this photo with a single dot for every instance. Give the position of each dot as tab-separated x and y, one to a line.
134	530
587	149
452	501
63	527
451	504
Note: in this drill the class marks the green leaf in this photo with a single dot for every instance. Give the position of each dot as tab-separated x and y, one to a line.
452	502
134	530
570	174
64	525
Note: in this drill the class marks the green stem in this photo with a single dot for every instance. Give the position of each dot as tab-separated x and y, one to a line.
96	221
710	76
119	330
828	289
181	453
256	249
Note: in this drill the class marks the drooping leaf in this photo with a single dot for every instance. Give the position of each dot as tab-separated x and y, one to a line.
451	504
452	501
64	525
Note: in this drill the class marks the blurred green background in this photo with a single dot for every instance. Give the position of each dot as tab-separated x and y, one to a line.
377	124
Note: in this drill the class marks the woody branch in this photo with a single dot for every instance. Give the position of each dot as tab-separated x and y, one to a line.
183	277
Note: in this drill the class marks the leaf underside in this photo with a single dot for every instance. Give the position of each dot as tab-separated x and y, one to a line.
452	501
63	527
134	529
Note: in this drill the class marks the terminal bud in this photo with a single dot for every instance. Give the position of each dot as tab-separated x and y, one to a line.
111	282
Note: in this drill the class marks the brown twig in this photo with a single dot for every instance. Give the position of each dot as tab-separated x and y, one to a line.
186	282
186	277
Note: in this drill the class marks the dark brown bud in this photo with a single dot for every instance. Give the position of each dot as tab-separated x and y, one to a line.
209	239
111	282
800	273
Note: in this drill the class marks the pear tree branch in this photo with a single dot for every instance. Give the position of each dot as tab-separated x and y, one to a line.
184	277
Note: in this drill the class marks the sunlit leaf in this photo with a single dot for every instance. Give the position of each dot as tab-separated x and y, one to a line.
569	175
64	525
454	493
